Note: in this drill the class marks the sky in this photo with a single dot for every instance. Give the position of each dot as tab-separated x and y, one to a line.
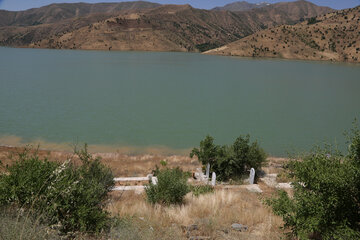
205	4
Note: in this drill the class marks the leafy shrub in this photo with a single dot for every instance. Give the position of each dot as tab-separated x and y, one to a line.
354	145
326	201
171	187
230	162
27	179
201	189
68	195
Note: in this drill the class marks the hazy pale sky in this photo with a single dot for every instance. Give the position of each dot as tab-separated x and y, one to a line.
26	4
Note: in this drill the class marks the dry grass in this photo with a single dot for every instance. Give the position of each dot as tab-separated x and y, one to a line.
213	213
141	165
17	225
275	165
121	164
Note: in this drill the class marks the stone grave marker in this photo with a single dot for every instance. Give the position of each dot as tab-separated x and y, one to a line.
252	176
213	179
207	171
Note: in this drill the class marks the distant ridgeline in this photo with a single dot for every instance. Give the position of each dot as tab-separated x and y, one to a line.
146	26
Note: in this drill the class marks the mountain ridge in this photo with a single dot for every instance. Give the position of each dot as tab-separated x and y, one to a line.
61	11
333	37
160	28
240	6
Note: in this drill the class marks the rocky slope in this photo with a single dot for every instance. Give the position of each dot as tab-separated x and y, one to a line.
165	28
334	37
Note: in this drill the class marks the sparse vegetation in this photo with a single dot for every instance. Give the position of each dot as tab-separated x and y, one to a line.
198	190
328	37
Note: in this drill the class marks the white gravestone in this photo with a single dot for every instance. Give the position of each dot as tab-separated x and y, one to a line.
207	171
154	180
213	179
252	176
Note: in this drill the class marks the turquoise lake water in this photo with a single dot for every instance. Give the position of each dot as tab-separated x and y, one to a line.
173	100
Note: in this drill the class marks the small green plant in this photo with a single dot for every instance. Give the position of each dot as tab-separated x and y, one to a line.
326	201
163	163
198	190
171	187
67	195
230	162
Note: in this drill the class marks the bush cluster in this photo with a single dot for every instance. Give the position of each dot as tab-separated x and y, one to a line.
171	187
326	201
230	162
312	20
66	195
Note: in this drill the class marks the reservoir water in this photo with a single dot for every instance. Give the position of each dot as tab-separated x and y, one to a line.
143	100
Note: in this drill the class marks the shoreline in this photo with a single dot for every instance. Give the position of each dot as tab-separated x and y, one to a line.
117	151
124	165
210	52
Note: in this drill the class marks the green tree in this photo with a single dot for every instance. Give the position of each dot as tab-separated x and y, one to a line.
208	151
230	161
312	20
326	200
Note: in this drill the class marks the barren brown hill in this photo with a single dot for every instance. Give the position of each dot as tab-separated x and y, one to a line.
289	12
165	28
335	37
19	28
58	12
240	6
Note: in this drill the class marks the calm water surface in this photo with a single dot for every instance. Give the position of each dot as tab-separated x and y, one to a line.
173	99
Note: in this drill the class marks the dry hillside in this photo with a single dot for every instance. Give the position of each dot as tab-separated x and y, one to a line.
165	28
241	6
58	12
335	37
